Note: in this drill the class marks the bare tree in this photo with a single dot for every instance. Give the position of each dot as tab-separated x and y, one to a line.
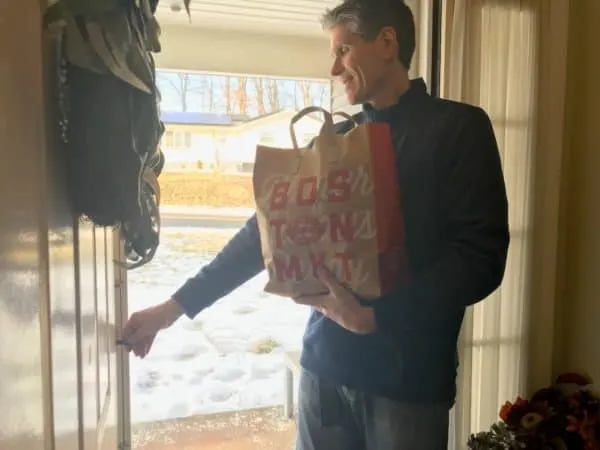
182	85
273	95
207	93
227	91
289	93
322	91
241	95
210	92
305	90
259	86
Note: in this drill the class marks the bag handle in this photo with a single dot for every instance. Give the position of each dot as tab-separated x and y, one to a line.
327	129
328	120
328	126
346	116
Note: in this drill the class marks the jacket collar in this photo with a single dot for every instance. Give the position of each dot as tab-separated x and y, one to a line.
416	92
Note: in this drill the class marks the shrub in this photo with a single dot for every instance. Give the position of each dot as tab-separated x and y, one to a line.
206	189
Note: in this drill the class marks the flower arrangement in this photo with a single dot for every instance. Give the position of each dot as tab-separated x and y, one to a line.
565	416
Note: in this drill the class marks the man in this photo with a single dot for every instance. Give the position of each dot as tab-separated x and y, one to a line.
382	376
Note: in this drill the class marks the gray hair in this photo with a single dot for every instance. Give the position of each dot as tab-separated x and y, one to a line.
367	18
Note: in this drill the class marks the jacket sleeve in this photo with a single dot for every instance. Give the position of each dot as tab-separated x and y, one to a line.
474	209
239	261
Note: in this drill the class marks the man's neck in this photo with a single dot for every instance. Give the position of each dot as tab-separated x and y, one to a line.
390	91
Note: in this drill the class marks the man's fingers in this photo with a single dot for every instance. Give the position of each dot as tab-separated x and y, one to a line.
147	348
318	302
331	282
142	347
322	310
130	327
312	300
139	336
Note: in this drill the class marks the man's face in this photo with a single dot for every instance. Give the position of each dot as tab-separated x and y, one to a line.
360	66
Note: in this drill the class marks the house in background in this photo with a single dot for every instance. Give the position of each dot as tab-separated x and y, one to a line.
227	143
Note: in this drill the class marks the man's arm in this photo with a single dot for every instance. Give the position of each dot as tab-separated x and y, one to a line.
240	260
475	210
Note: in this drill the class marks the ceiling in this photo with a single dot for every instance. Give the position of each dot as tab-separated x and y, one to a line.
292	17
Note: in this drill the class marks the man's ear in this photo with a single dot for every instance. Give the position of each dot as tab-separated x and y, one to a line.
389	42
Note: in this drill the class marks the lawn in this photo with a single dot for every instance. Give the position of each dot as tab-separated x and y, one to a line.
204	189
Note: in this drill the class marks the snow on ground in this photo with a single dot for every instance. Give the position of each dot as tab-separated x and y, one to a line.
229	357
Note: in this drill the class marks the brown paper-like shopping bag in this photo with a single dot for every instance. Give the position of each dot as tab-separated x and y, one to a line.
336	203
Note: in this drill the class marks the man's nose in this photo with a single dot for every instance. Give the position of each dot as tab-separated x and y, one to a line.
336	68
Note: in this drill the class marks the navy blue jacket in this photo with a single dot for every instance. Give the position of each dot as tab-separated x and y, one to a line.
456	225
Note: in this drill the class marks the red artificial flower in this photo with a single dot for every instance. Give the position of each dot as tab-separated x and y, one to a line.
531	420
565	416
574	378
509	410
573	425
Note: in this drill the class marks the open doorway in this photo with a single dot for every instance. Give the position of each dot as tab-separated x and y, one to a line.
230	79
228	362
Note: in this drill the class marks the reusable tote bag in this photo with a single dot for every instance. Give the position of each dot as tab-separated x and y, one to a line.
335	203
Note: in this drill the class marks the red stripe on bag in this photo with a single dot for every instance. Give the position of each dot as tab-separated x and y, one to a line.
389	218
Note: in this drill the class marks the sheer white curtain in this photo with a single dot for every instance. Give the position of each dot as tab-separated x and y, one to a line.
490	60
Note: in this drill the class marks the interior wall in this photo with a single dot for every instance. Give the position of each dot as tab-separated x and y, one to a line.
194	48
578	335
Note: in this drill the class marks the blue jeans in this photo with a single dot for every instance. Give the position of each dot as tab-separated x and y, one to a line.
333	417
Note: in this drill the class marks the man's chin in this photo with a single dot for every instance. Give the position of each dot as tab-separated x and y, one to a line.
352	98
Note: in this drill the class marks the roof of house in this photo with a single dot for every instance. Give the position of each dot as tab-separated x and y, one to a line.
195	118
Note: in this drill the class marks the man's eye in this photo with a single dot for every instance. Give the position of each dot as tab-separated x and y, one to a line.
340	51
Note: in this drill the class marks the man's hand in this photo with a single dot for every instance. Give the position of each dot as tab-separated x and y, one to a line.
143	326
341	306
